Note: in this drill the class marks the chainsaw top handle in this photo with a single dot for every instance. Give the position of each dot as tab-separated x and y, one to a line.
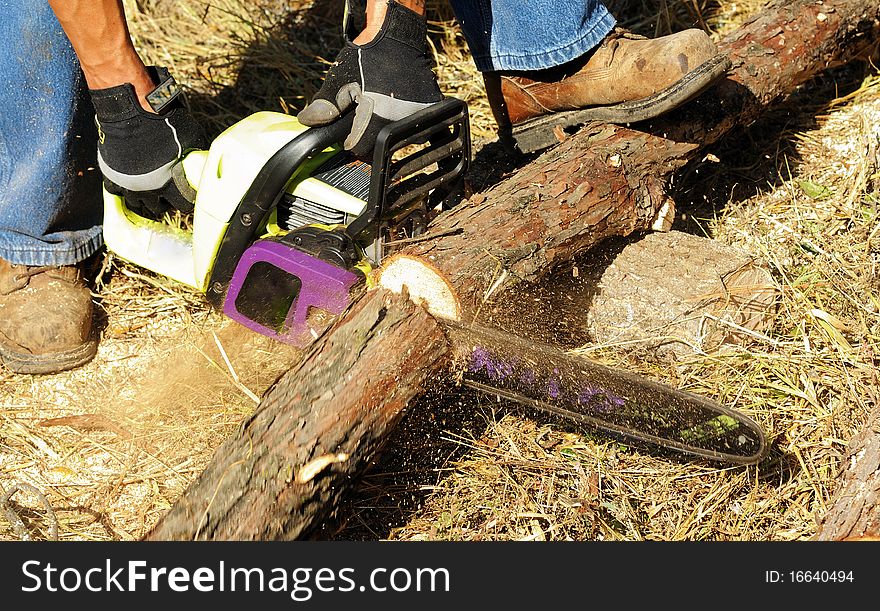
445	128
262	197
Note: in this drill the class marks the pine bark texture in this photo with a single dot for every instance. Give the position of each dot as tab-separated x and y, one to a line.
854	512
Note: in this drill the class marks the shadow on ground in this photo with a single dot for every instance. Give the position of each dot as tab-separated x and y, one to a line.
761	156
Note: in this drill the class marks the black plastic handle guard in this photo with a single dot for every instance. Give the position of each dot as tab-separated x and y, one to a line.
445	127
263	196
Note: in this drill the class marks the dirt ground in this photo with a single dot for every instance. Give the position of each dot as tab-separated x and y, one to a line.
100	453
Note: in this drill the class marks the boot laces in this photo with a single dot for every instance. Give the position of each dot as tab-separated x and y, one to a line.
612	40
23	273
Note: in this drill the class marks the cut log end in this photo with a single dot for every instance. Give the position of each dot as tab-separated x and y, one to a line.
744	305
677	293
425	285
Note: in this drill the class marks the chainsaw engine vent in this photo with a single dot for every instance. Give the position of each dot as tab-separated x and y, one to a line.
295	212
342	172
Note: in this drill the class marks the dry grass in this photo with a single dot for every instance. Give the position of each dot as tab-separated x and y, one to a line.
114	443
140	422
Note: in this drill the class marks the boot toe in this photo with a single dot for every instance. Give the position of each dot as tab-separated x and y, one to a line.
690	49
50	324
46	325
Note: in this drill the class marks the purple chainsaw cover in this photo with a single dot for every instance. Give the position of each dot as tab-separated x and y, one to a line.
321	285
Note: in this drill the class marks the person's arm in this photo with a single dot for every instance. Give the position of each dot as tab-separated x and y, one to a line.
98	32
376	10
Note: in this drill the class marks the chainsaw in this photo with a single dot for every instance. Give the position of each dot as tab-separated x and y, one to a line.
287	225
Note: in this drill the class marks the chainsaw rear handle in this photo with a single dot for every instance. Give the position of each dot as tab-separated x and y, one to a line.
262	197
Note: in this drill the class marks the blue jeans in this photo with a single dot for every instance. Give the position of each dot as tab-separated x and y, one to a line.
530	34
50	189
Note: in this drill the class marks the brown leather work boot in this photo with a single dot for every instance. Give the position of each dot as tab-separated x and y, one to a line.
45	318
627	78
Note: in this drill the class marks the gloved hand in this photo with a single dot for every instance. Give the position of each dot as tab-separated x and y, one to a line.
388	79
139	151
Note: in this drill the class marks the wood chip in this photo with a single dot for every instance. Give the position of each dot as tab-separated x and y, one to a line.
311	469
560	133
88	422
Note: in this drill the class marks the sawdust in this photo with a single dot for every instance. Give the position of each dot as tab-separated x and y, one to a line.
113	443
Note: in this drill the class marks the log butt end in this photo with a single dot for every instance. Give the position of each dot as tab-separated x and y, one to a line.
423	282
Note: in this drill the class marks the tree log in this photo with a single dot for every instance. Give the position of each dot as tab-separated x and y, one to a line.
854	513
611	181
672	294
315	430
318	426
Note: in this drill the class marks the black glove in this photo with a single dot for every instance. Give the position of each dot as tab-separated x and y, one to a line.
388	78
138	151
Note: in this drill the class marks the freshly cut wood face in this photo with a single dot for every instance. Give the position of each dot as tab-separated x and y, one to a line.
424	283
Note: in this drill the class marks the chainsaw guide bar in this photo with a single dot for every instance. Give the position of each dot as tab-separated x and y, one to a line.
545	377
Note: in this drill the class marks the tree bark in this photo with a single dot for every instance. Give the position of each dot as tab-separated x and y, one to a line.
855	507
320	424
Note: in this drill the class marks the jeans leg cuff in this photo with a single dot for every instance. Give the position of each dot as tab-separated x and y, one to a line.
550	58
52	254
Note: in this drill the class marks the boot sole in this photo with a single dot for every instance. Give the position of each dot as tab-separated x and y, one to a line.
56	362
541	132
